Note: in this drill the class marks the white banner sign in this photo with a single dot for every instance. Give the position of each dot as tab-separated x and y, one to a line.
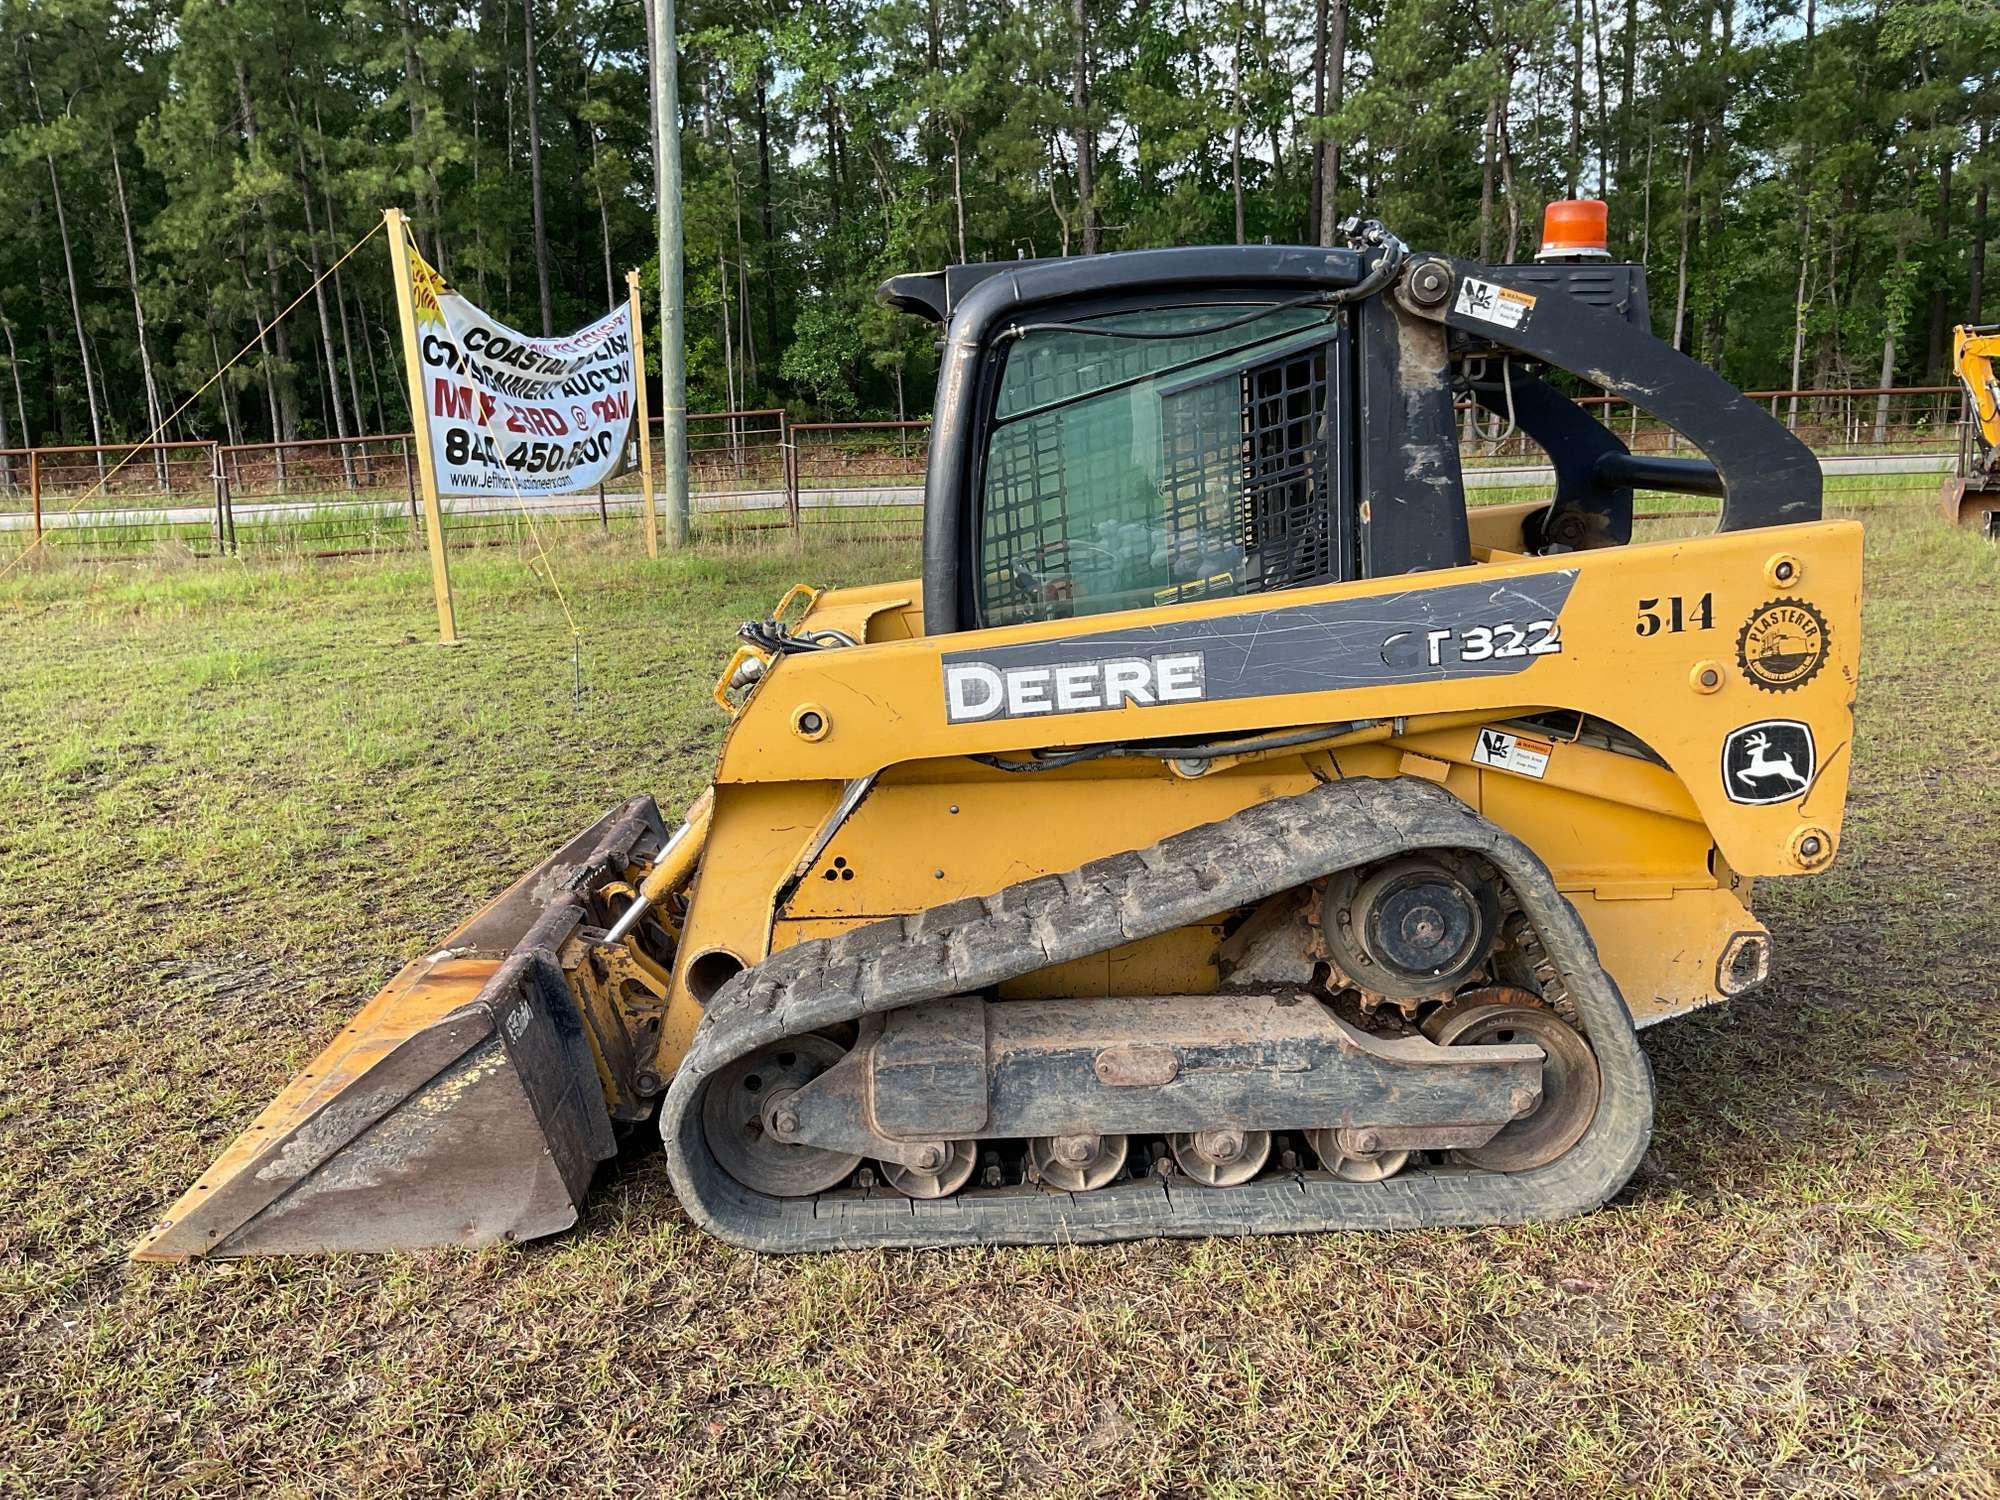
509	413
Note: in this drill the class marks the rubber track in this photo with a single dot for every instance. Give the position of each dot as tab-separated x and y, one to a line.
974	944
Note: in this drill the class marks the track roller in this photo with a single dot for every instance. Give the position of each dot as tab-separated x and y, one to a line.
1350	1163
955	1161
1077	1163
1222	1157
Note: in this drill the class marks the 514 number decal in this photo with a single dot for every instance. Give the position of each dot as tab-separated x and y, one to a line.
1679	616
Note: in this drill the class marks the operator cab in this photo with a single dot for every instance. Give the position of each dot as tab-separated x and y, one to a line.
1157	427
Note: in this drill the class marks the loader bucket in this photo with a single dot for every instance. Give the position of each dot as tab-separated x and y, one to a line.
1973	502
461	1106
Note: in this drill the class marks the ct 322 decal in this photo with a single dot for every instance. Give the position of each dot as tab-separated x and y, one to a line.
1475	643
1485	629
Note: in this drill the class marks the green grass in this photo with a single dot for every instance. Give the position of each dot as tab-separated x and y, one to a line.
236	794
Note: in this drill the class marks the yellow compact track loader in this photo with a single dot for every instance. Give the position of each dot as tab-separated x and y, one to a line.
1972	490
1230	833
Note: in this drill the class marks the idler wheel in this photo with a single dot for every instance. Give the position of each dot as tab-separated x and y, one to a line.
732	1117
1570	1080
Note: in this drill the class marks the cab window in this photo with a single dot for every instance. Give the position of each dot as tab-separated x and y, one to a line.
1155	457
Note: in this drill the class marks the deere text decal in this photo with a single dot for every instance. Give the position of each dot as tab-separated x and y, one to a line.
1486	629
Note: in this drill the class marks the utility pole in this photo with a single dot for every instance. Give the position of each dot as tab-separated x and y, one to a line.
673	317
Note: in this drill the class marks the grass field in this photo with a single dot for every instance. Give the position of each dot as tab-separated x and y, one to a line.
235	796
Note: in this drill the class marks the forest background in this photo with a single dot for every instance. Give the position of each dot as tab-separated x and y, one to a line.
1809	182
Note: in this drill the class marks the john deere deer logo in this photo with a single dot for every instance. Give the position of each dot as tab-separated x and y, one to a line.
1768	762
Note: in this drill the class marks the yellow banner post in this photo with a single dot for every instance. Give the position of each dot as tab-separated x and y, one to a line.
645	419
406	307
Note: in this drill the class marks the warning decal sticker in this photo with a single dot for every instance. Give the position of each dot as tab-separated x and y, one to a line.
1492	303
1506	751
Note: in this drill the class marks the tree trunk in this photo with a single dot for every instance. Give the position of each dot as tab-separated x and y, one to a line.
927	136
339	292
958	194
283	388
603	209
75	296
374	376
155	418
829	115
1627	91
7	437
1975	297
429	246
1086	136
535	166
1603	120
1507	178
764	188
1055	202
744	341
728	344
20	399
1715	150
746	328
1887	378
325	318
1804	173
1938	354
270	382
1646	205
1489	162
1576	98
1799	321
1277	134
14	368
1329	150
478	228
1319	117
231	428
1687	236
652	72
1236	131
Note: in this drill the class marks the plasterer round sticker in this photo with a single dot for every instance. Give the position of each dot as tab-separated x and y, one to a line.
1783	645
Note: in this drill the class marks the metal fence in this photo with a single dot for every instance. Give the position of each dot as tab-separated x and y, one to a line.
110	497
749	472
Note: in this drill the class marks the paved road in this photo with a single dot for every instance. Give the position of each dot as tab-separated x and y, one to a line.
256	512
1843	464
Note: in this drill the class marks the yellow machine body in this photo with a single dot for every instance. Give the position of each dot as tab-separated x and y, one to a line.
1656	854
1972	493
1650	849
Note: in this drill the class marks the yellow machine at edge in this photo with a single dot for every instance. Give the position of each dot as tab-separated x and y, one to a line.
1231	832
1972	490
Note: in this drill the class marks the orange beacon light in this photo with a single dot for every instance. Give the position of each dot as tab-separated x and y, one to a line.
1575	228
